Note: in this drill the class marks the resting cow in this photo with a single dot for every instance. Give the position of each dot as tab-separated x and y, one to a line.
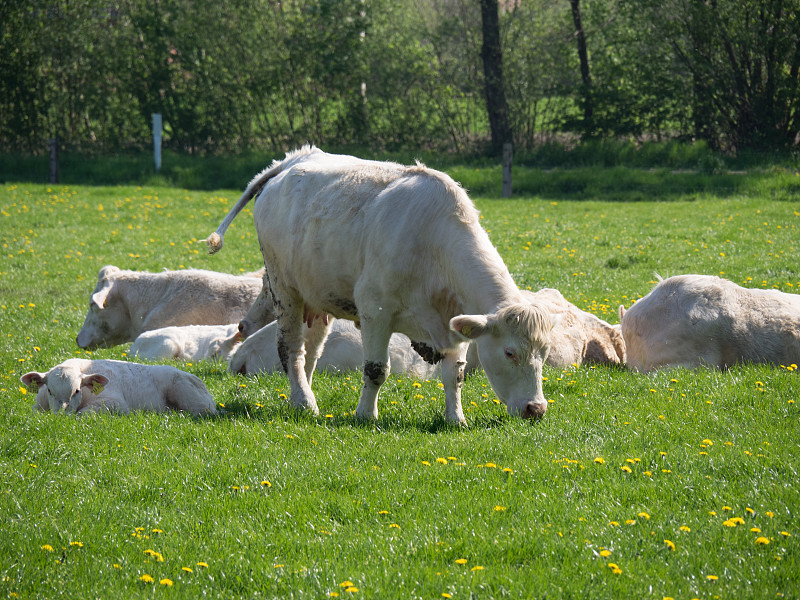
342	351
79	385
700	320
396	249
126	303
190	342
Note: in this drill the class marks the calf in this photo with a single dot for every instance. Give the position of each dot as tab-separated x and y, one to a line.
126	303
700	320
396	249
342	351
578	336
190	342
79	385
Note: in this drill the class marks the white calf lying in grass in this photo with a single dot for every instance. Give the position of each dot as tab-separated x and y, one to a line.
79	385
191	342
342	351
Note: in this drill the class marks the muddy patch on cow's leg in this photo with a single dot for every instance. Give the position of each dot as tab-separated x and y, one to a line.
375	372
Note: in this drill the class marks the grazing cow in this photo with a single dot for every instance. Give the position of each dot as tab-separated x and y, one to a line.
342	351
190	342
700	320
579	335
396	249
126	303
79	385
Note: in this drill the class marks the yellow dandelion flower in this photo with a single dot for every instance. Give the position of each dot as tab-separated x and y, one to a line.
614	523
499	508
202	564
630	521
117	566
643	515
762	541
426	463
187	569
786	534
334	594
441	460
491	466
755	530
750	511
166	582
477	568
770	514
346	584
394	525
446	595
352	589
266	483
684	528
461	561
670	544
605	553
648	473
76	544
156	530
712	577
47	548
626	468
508	470
599	460
726	508
630	460
146	578
708	442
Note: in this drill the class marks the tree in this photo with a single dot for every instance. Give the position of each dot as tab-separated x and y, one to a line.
492	55
586	80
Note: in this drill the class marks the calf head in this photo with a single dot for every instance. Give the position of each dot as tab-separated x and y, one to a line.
512	345
108	321
63	387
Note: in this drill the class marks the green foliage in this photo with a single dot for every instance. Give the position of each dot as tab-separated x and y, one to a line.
262	501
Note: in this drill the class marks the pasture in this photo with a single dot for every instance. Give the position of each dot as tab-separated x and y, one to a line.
679	485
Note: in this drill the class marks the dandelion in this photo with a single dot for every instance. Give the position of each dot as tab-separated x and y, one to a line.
626	468
599	460
643	515
490	465
352	589
203	564
499	508
605	553
47	548
614	523
786	534
446	595
266	483
762	541
670	544
726	508
187	569
166	582
755	530
684	528
614	568
708	442
648	473
146	578
508	470
394	526
426	463
477	568
441	460
346	584
461	561
712	577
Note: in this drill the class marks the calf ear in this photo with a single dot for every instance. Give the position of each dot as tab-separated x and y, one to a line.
94	381
33	377
621	311
99	298
469	327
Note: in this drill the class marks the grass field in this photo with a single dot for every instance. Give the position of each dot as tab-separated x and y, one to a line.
683	484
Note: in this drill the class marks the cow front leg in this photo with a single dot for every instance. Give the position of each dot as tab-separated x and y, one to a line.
453	367
375	340
291	352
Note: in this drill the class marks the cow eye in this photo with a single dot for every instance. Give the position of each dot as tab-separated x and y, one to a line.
511	354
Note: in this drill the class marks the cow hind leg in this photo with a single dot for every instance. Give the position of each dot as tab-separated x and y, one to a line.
291	351
315	342
191	395
375	337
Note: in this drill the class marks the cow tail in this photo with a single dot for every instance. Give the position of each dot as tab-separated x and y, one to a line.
214	241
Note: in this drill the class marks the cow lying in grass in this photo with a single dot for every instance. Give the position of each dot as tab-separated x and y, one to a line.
79	385
578	336
190	342
699	320
126	303
396	249
342	351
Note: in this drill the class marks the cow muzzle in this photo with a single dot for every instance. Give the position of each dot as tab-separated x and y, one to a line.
534	411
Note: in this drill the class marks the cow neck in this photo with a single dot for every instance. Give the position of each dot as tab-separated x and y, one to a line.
132	296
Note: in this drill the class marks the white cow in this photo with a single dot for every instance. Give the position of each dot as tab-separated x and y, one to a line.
700	320
259	314
396	249
79	385
190	342
126	303
342	351
579	336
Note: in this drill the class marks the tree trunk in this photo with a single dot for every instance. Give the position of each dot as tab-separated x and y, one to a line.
492	55
586	80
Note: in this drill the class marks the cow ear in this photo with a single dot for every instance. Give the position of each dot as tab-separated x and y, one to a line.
469	327
621	311
33	377
99	298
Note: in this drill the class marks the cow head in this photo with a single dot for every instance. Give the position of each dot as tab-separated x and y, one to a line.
61	388
108	321
512	345
260	313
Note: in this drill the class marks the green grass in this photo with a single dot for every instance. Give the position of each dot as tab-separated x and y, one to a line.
393	507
